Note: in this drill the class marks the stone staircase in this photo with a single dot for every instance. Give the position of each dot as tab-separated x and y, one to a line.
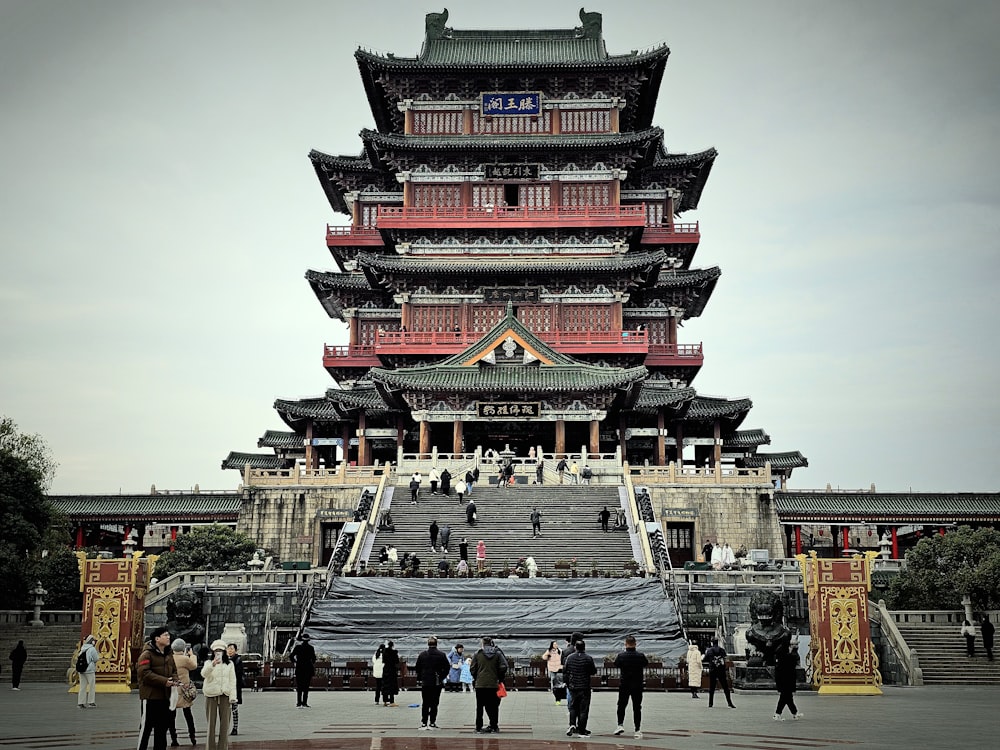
570	526
50	650
941	651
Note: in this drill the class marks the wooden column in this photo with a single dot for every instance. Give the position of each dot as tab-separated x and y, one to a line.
672	330
173	537
79	537
845	534
595	436
679	437
556	122
345	437
895	544
617	323
362	441
352	322
425	437
400	431
467	122
560	436
310	450
661	440
798	539
615	119
456	436
717	448
408	122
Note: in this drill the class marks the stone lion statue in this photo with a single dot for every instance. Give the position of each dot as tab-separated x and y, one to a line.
767	634
185	618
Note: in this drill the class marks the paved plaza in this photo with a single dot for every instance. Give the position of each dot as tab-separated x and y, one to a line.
46	716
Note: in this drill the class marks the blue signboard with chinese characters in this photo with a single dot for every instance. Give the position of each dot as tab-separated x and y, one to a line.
511	102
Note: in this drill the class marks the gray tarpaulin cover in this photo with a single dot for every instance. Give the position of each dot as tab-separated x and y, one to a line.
523	614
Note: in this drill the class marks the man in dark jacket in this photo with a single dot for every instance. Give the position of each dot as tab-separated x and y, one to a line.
156	674
577	670
234	703
631	663
304	659
489	668
432	667
986	630
715	658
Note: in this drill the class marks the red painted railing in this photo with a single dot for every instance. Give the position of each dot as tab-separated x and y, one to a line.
340	235
396	216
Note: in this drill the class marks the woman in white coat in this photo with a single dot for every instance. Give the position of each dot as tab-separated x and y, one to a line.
694	663
219	689
377	667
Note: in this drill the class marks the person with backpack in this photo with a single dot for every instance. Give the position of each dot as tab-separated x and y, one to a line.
715	657
561	468
86	668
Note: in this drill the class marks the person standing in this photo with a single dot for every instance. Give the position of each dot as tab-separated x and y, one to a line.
605	516
586	474
88	678
185	663
433	529
470	481
446	482
18	655
574	473
434	477
715	655
488	670
536	522
632	665
470	513
156	674
785	663
432	668
455	659
390	674
706	551
377	667
234	657
463	550
695	666
728	557
461	487
553	662
219	689
540	471
304	660
561	468
987	630
414	488
480	556
578	669
969	631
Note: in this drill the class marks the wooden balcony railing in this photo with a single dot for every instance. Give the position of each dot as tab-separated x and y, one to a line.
510	216
351	235
570	342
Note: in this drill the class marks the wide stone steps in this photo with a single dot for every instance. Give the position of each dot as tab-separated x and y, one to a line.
570	527
50	650
941	653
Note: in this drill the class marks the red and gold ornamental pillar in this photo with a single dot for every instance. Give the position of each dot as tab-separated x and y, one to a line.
114	592
843	656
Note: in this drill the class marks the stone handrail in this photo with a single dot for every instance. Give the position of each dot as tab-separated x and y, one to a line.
298	476
670	474
367	524
640	525
906	655
233	579
709	580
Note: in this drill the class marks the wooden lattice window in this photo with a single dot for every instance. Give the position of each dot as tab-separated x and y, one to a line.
484	317
678	537
431	123
428	196
656	331
369	215
433	318
585	121
512	125
367	330
536	196
586	194
487	195
654	214
586	318
537	318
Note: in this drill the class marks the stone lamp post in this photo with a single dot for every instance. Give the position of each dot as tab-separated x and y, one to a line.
885	546
129	545
255	563
40	595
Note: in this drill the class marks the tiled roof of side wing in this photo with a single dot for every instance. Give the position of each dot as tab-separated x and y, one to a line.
901	505
358	398
787	460
280	439
331	280
653	396
162	506
551	379
505	265
747	439
509	142
346	163
238	461
706	407
317	408
673	279
514	49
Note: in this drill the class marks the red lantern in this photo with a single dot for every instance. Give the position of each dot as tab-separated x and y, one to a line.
821	532
869	532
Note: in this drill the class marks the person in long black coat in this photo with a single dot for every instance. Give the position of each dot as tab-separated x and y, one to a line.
987	630
785	681
446	482
304	660
390	674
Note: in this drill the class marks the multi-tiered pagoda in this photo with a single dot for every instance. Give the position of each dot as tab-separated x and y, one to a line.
514	271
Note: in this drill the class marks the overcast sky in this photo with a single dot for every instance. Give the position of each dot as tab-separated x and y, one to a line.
158	213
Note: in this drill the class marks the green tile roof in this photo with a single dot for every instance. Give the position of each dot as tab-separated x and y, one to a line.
708	407
510	379
778	461
681	279
238	461
307	408
746	439
164	507
912	507
648	137
280	439
365	397
509	265
654	396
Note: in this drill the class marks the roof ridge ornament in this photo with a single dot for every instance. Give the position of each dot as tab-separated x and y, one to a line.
592	23
435	25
